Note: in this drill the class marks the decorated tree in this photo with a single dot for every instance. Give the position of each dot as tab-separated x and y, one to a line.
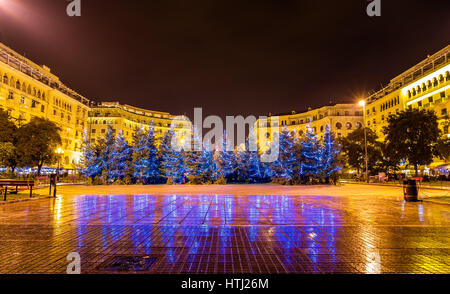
282	169
92	161
224	161
193	159
254	169
330	151
312	157
146	160
207	168
106	145
173	163
120	165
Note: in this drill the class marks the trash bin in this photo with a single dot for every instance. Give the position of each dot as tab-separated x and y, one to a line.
410	190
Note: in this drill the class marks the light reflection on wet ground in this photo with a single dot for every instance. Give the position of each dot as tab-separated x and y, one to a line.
228	234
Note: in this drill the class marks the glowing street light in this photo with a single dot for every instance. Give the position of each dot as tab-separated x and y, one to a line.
366	158
59	152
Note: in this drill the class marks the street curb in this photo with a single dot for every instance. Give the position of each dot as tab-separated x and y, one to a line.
23	200
436	201
396	186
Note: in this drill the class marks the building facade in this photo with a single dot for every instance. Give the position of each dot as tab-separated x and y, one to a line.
28	90
128	119
341	118
423	86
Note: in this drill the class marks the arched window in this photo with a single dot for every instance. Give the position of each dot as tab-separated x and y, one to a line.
348	125
435	82
429	85
447	76
24	87
358	125
409	94
424	87
338	126
441	78
5	79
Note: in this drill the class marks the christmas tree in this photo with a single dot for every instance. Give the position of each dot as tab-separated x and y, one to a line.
120	167
329	164
146	160
207	168
91	160
193	159
282	169
254	169
311	165
224	161
106	146
173	163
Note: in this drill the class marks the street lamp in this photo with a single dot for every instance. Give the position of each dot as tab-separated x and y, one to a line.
366	158
60	152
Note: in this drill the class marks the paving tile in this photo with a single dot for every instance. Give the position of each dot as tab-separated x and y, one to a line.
229	233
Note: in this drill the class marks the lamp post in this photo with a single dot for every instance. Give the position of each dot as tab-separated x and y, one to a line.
59	152
366	158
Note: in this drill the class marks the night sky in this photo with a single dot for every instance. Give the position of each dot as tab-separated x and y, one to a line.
229	57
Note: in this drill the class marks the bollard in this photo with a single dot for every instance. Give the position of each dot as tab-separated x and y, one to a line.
410	190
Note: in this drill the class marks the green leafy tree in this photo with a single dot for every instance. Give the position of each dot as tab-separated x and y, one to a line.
8	155
36	143
7	152
413	135
354	152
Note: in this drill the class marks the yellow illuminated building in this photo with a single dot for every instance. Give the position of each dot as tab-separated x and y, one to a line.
423	86
342	119
129	119
28	90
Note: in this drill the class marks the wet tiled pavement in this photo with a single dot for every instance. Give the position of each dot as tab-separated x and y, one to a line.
228	233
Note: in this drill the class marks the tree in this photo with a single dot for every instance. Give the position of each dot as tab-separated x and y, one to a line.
224	161
173	162
106	145
207	168
354	151
7	152
329	165
146	160
36	143
8	141
413	135
312	157
120	161
283	169
8	128
254	169
92	161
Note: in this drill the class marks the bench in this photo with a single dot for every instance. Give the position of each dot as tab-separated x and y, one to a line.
4	184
